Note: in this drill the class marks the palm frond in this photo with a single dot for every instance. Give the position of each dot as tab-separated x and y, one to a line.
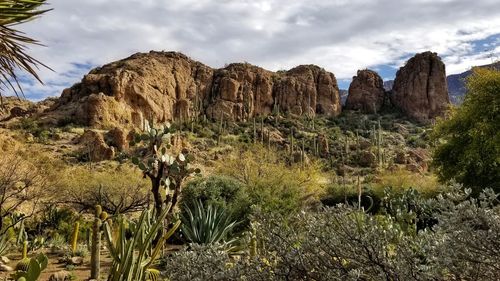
14	44
18	11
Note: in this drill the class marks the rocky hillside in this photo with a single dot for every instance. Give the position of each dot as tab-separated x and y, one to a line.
165	86
455	83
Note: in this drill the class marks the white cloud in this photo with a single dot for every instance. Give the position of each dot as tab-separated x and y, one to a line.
339	35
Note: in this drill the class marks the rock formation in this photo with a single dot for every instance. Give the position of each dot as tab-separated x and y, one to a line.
94	147
420	89
162	86
366	92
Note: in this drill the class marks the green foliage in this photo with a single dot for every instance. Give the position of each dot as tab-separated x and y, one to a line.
270	184
207	224
469	149
219	191
133	256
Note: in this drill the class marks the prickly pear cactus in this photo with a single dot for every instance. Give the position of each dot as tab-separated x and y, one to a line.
166	171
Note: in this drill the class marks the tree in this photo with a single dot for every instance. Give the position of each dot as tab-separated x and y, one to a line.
13	43
165	171
21	183
469	140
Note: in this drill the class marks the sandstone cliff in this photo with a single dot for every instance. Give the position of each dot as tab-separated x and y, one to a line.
366	92
420	89
163	86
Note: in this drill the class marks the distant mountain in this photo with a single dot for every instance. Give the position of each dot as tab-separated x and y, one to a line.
343	96
388	85
456	83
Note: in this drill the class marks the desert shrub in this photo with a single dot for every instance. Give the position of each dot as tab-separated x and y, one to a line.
198	263
270	184
409	209
53	220
469	232
117	189
220	191
348	195
24	183
402	179
343	243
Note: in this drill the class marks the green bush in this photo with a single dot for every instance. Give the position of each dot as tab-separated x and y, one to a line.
270	184
469	141
220	191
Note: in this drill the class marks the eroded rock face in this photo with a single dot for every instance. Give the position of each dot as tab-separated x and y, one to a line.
420	89
154	86
241	91
163	86
366	92
308	90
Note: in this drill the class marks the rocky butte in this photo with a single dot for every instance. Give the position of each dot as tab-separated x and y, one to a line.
420	89
366	92
163	86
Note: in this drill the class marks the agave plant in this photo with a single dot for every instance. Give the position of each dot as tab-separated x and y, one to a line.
4	245
133	257
13	43
207	224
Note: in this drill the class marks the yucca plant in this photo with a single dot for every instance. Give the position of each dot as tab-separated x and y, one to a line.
207	224
133	257
13	43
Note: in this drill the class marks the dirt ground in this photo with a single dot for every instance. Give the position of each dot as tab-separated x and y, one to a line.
81	272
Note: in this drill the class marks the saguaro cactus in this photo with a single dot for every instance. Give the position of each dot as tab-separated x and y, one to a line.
95	257
74	237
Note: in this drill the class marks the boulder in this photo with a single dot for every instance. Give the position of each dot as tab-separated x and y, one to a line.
4	260
62	275
6	268
366	92
117	138
76	261
420	89
324	148
95	147
240	91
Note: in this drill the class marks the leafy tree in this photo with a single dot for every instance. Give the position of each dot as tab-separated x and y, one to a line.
13	43
469	149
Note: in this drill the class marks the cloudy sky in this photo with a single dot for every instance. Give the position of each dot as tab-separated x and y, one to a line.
339	35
